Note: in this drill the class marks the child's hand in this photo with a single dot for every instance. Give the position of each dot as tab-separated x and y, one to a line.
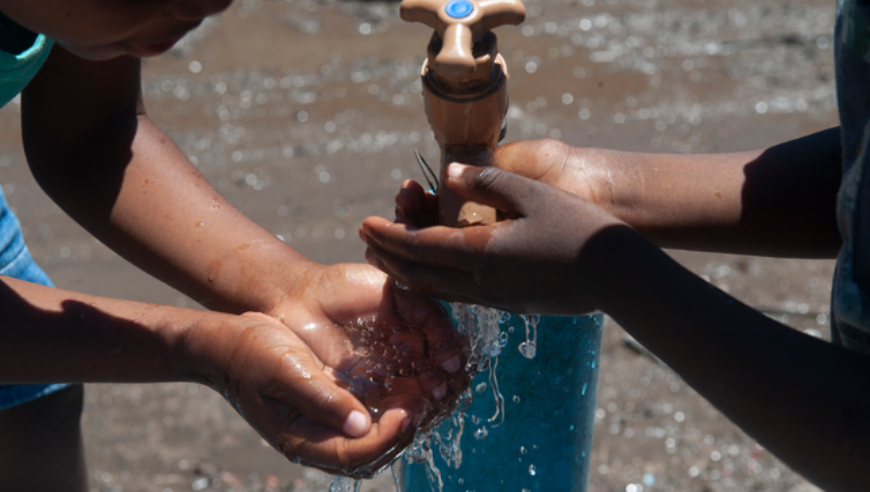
296	400
588	173
541	260
390	347
272	378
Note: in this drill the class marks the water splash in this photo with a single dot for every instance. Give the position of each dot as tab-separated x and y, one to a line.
483	328
487	330
344	484
529	348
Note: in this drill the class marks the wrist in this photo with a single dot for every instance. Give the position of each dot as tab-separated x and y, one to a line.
287	285
619	258
200	342
258	277
593	174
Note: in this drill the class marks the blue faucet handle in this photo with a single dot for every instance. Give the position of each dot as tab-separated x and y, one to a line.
459	23
459	9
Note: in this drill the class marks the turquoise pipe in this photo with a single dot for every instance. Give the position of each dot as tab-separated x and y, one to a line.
545	440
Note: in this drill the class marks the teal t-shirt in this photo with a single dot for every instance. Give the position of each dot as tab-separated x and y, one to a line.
22	54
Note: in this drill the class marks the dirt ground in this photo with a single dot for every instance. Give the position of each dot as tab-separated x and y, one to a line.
305	113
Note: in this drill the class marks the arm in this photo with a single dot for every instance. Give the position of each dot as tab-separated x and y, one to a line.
52	335
806	400
100	158
779	201
98	155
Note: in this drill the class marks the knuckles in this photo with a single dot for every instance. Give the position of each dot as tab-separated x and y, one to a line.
488	178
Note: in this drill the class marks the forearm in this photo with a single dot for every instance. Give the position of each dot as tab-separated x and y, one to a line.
804	399
160	213
52	335
95	152
779	201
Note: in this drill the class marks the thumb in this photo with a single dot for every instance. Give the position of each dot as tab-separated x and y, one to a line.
319	398
490	186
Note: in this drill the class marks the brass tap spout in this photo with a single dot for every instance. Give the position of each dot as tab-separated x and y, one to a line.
464	88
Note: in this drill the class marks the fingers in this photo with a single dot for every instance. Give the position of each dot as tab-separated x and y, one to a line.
436	246
328	342
443	282
406	393
444	342
452	358
408	204
513	157
434	383
490	186
414	206
318	397
303	440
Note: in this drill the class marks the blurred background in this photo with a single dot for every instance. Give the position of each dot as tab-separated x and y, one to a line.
305	114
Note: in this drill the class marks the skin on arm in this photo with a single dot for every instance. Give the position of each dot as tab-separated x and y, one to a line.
804	399
52	335
779	201
96	153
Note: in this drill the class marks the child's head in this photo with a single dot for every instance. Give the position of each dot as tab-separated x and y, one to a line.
103	29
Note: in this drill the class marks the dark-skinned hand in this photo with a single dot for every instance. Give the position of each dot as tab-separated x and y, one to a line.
541	259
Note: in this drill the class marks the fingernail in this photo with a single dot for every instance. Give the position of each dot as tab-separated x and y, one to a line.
355	425
371	260
454	170
451	365
439	392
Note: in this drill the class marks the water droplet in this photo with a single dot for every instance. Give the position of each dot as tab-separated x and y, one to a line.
532	470
528	350
481	433
523	450
516	399
480	388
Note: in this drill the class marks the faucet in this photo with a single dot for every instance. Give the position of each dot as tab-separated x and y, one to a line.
464	89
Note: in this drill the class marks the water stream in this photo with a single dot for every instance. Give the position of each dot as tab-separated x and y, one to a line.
546	420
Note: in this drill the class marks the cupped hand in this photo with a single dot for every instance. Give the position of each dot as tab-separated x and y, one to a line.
544	258
589	173
395	350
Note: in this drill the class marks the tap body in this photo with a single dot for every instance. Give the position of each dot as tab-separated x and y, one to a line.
464	88
467	119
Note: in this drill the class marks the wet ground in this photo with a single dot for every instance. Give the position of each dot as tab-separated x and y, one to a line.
305	114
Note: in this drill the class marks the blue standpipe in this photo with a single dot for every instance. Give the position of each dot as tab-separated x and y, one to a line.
545	440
